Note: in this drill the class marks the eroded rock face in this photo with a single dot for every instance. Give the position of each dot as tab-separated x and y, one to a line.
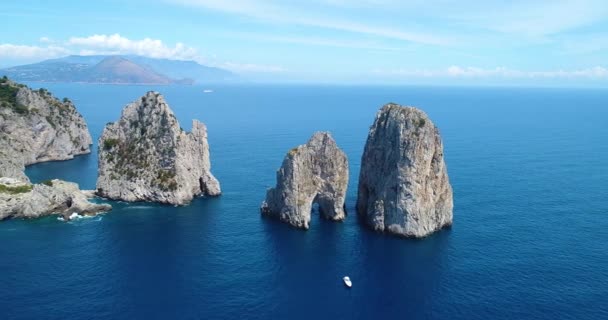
12	168
146	156
24	200
36	127
316	172
403	184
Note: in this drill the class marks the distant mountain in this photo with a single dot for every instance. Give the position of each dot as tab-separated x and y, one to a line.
118	69
184	69
121	70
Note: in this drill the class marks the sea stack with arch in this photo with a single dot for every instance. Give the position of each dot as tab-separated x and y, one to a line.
316	172
404	187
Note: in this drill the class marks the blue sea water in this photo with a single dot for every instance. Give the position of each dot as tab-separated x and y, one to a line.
529	168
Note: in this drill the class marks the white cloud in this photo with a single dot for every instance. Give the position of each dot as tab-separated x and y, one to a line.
14	51
116	44
146	47
99	44
597	72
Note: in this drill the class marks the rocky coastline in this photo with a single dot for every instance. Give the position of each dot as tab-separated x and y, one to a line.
37	127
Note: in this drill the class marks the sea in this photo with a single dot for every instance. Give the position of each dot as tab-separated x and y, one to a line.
529	169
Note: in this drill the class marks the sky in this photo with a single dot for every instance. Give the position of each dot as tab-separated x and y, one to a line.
557	42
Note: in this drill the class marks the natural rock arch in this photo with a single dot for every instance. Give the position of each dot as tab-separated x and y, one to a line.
316	172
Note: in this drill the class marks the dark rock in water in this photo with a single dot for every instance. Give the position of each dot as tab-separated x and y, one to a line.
403	184
146	156
316	172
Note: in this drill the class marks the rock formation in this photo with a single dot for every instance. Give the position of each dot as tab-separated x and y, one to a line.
10	167
146	156
19	199
403	183
36	127
316	172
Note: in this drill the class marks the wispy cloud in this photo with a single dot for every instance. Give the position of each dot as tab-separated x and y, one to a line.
451	23
521	17
314	41
541	18
584	44
274	12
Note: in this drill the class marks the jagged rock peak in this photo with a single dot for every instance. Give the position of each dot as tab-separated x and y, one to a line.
37	127
146	156
403	184
316	172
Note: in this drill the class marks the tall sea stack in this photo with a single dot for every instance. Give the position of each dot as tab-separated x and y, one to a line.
403	184
146	156
316	172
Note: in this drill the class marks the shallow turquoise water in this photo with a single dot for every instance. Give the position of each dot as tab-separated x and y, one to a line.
529	168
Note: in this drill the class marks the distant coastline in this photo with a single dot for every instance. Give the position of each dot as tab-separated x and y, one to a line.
118	69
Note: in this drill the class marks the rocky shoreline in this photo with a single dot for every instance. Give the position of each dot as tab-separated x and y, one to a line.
23	200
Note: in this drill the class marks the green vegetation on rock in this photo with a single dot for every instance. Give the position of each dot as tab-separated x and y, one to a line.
166	180
8	96
15	190
110	143
420	123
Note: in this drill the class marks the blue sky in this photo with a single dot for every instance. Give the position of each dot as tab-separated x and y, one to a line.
557	42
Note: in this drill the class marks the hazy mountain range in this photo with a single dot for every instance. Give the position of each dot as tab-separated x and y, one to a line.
118	69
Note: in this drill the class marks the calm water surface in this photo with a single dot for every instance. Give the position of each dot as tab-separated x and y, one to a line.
529	168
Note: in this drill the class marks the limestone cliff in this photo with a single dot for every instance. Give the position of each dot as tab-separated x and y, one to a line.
316	172
11	167
146	156
23	200
403	184
36	127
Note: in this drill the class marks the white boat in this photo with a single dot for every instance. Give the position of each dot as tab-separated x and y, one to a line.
347	281
207	91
